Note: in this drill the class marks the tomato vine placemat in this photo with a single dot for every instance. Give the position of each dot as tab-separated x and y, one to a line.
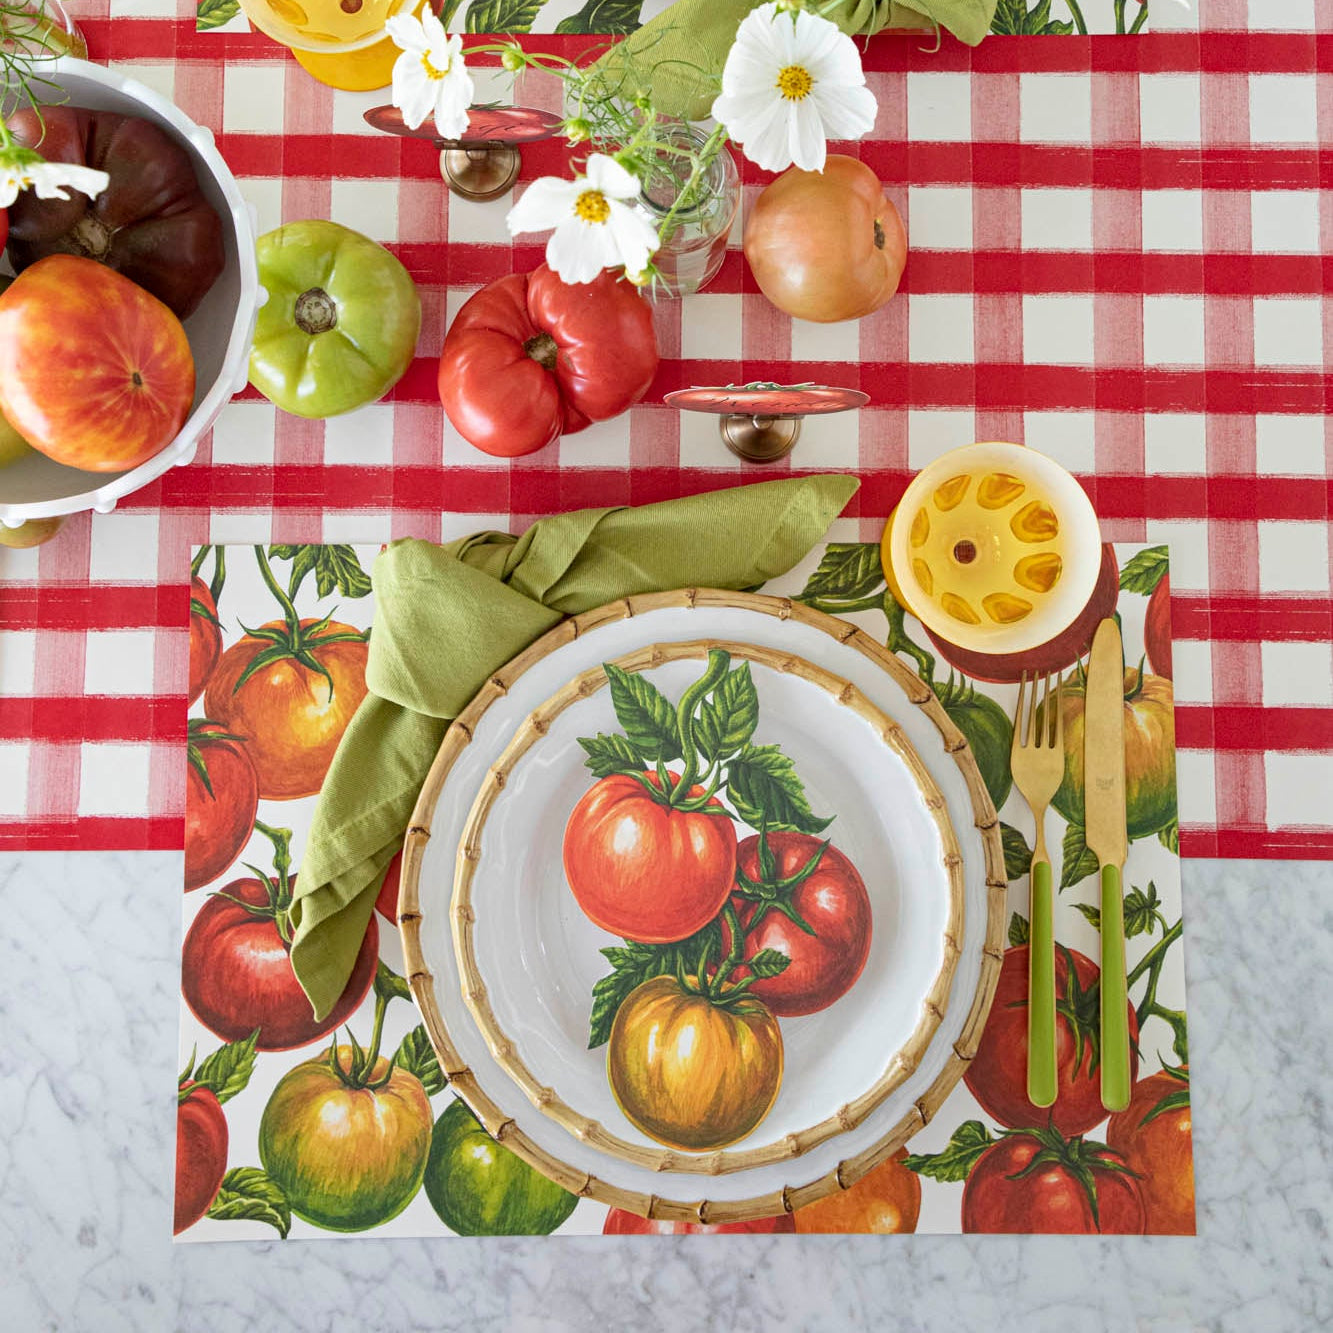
347	1126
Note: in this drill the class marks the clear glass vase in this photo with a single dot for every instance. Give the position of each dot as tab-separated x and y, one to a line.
696	241
39	30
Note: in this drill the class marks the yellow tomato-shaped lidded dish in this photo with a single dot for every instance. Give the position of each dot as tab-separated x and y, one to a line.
323	25
994	547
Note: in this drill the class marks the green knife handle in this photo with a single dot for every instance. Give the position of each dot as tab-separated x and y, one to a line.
1115	1021
1041	989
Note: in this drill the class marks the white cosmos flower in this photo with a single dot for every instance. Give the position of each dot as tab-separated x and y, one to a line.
791	82
596	225
23	169
430	75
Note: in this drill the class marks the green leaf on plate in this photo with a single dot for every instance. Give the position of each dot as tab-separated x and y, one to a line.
214	13
1018	930
766	793
1017	853
727	720
501	15
847	571
768	963
247	1193
227	1071
417	1056
1144	570
618	16
970	1140
1077	861
643	710
609	754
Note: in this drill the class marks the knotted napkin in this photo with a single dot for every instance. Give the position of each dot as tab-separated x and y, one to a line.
677	57
446	617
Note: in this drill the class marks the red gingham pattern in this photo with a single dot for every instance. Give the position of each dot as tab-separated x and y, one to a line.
1118	256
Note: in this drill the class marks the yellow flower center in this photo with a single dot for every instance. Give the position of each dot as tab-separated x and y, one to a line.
794	82
591	206
434	71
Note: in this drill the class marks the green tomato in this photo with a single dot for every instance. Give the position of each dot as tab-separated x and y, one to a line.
989	732
13	446
480	1188
340	324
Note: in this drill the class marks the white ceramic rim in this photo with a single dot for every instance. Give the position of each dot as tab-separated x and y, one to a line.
236	363
1083	557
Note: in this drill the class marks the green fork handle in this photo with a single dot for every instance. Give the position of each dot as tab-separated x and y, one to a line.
1115	1000
1041	988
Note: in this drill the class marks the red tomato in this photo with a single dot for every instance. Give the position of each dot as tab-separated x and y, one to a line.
619	1222
997	1076
201	1154
826	245
1010	1191
1157	628
1155	1136
94	372
236	971
530	358
221	799
386	901
885	1201
291	717
642	870
205	637
832	901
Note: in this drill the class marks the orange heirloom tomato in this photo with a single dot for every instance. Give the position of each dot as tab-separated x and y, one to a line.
827	245
886	1201
94	372
1155	1136
290	714
692	1073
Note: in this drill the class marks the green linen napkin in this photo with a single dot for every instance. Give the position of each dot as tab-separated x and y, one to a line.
448	616
676	56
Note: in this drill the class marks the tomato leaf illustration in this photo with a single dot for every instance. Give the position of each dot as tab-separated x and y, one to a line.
1143	911
1092	915
955	1162
619	16
502	15
334	566
768	963
727	720
1169	837
764	788
417	1056
227	1071
1017	853
1144	570
643	710
1018	930
214	13
1013	18
247	1193
1077	862
611	754
848	571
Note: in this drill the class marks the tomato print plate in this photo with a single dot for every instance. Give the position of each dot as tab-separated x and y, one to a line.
508	966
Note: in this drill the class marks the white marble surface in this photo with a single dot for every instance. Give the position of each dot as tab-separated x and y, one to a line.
88	973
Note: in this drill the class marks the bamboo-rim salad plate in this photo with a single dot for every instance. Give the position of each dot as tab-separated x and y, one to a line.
702	904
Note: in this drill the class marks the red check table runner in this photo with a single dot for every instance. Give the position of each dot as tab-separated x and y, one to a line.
1118	256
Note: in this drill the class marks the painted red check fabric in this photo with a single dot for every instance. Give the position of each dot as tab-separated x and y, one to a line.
1118	256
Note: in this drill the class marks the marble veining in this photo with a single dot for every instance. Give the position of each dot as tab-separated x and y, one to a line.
89	953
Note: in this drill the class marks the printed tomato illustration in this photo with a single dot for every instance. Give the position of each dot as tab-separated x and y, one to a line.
692	1071
289	690
221	799
1157	628
1150	754
346	1138
479	1188
201	1153
619	1222
1037	1181
814	911
886	1201
236	967
386	901
205	637
988	730
1155	1137
997	1076
624	844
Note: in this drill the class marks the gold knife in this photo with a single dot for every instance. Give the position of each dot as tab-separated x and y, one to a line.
1104	805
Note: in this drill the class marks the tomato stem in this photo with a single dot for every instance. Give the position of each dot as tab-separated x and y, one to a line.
279	891
899	641
718	664
288	609
728	965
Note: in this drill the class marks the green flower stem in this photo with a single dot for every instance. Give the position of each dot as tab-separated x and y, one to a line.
699	163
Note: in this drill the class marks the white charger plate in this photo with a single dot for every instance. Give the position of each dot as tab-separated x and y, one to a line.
480	736
530	957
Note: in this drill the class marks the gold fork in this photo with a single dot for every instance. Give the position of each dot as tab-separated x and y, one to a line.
1037	760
